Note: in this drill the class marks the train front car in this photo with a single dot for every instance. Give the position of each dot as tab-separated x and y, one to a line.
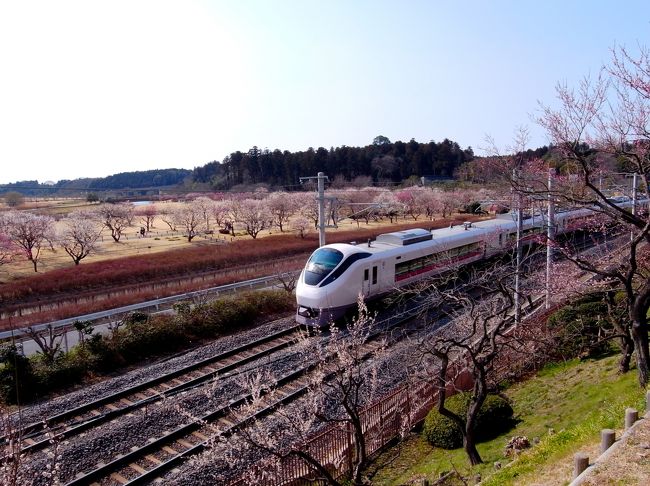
322	296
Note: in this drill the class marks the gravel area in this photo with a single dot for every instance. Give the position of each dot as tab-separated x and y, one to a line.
38	411
230	459
103	443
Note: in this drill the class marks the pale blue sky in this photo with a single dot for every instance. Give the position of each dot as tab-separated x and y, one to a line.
94	88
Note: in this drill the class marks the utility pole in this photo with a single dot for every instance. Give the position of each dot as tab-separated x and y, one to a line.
321	178
634	182
550	235
520	227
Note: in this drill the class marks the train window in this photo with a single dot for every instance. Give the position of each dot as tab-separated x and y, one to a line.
374	275
345	264
321	263
365	274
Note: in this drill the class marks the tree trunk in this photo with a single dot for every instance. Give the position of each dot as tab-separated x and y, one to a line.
627	348
639	334
469	444
362	456
469	437
640	337
318	467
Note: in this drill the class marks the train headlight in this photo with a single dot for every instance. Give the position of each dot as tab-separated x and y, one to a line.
307	312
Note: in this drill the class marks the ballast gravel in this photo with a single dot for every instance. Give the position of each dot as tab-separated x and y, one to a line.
103	443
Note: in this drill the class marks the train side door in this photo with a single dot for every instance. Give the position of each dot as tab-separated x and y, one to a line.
366	282
370	280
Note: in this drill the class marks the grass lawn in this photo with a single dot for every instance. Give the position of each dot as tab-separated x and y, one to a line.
564	405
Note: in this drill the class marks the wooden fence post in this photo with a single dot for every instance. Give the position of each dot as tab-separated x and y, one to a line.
580	463
350	437
607	437
631	416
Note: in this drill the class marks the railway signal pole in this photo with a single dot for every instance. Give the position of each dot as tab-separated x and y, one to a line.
321	178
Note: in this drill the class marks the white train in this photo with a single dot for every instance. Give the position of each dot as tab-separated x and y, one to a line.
335	274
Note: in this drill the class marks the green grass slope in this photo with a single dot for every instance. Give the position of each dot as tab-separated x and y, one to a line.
564	405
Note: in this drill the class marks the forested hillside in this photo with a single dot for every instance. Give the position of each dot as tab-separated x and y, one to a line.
383	160
123	180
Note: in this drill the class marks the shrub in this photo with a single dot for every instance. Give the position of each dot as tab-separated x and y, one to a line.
578	328
14	199
494	418
183	307
103	355
66	370
135	318
142	336
270	301
17	381
441	431
157	335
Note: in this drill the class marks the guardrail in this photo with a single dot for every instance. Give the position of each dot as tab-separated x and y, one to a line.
156	305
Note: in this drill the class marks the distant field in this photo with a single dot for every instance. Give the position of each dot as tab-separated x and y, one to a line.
53	206
160	239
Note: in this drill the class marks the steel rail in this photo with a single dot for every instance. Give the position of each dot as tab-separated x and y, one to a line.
106	469
40	428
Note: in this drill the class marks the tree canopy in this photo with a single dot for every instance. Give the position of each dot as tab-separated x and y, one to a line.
383	161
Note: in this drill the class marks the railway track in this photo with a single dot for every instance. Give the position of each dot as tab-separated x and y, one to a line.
65	425
145	463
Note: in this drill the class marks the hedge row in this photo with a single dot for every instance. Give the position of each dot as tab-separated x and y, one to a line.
140	337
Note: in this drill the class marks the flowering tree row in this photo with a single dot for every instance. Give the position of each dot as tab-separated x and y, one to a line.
599	159
29	235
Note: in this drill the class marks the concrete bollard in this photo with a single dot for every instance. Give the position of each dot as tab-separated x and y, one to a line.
607	438
647	402
631	416
580	463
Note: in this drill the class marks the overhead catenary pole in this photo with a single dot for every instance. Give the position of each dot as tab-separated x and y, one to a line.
520	227
550	235
634	183
321	209
320	179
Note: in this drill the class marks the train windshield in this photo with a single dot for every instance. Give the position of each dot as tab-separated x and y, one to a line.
321	263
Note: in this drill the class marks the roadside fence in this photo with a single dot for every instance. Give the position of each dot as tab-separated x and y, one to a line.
157	305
